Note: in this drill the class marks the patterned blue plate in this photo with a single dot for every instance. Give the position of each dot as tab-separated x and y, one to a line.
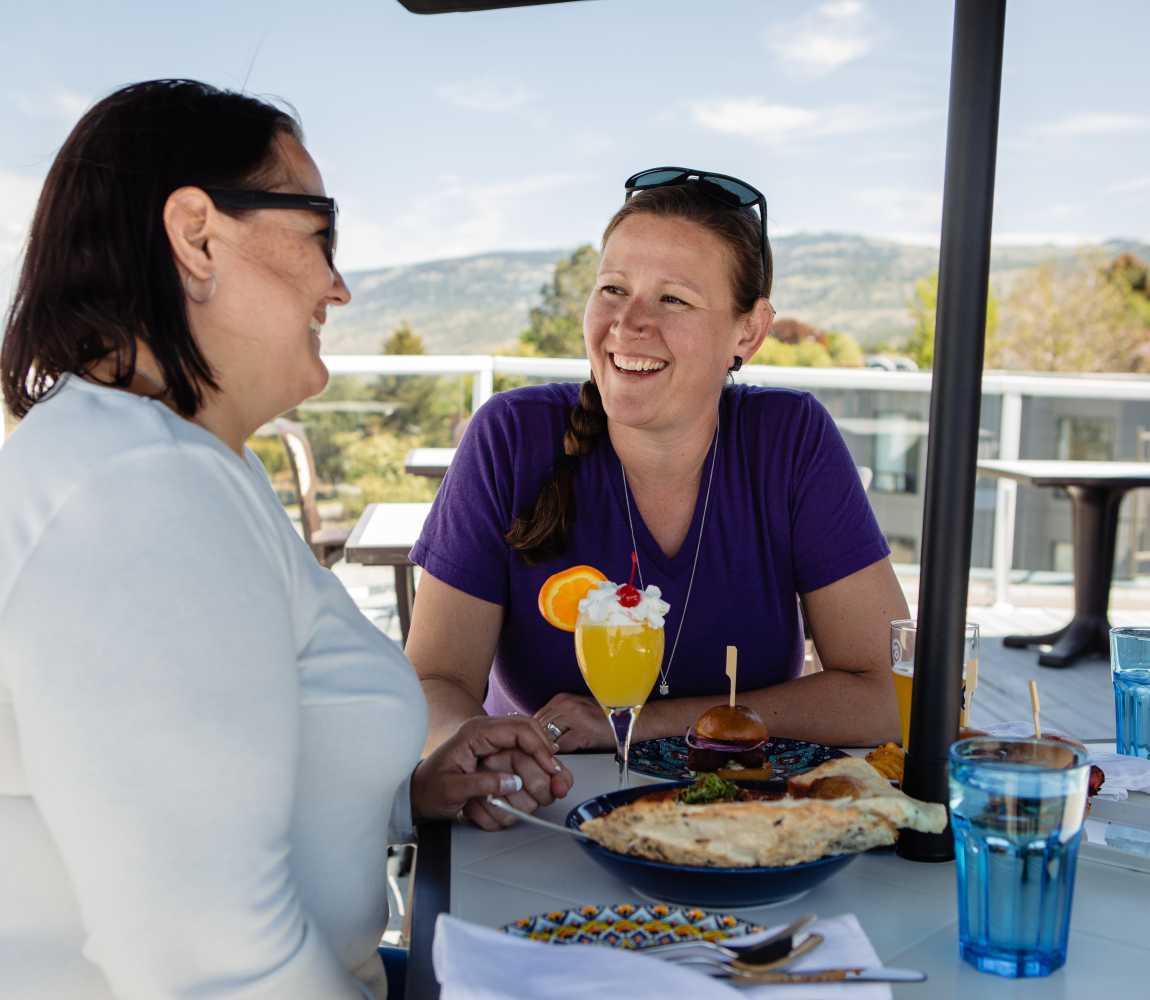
667	758
629	925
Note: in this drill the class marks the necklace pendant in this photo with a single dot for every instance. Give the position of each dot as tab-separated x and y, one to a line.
664	689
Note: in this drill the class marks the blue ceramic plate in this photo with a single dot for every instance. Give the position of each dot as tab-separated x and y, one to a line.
630	925
667	758
696	885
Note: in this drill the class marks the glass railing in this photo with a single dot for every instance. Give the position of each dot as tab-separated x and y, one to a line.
377	406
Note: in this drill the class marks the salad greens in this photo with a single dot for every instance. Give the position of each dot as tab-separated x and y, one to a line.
709	788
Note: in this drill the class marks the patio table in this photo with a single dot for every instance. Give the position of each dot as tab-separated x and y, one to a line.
908	909
429	462
383	536
1096	490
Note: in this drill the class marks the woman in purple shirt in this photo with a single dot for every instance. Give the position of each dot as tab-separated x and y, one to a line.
739	501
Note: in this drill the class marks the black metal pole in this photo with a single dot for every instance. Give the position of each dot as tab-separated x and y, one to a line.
956	395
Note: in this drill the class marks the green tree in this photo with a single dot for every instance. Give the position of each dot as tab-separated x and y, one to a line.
403	340
374	466
424	405
1131	274
555	326
922	308
812	354
775	352
844	350
1071	319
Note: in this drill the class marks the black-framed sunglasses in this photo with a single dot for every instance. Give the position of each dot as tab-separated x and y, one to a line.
729	190
228	198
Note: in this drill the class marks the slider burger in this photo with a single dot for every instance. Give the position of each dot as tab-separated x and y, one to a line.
729	742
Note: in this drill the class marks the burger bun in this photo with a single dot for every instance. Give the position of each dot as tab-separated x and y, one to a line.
725	724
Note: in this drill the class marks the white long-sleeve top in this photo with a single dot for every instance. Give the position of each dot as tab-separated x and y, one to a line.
201	737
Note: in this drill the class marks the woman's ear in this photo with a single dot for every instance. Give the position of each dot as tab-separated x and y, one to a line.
755	326
188	217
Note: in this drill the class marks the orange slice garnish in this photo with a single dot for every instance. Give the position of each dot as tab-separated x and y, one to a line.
561	593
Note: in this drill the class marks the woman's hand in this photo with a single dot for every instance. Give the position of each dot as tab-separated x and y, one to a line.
581	722
521	767
538	788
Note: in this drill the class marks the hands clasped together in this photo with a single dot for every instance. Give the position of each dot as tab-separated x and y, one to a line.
511	756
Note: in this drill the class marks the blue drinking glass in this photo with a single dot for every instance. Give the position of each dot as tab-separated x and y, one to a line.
1016	808
1130	670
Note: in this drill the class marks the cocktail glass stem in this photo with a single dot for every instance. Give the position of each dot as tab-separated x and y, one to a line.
622	723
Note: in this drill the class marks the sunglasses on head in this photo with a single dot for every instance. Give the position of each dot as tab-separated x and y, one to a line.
278	199
729	190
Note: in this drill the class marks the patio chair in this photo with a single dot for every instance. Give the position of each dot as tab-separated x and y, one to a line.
326	543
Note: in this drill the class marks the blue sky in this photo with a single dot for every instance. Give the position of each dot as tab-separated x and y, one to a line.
450	135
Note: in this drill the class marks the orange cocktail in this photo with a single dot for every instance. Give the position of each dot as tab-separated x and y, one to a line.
619	647
620	663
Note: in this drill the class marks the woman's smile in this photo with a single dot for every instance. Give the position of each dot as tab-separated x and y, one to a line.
631	364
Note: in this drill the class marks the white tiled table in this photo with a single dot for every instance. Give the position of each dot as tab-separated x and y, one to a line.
908	909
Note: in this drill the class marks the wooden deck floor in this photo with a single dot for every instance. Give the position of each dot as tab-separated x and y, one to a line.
1078	700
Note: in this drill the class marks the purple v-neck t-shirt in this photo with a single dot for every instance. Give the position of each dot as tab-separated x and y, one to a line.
787	515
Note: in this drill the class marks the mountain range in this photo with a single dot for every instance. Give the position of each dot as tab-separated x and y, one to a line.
836	281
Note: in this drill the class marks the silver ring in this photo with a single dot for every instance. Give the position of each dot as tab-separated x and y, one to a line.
554	731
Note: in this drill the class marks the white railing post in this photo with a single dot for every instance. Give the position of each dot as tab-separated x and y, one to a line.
484	385
1009	447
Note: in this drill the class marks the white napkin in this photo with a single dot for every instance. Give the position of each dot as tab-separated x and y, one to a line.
477	963
1123	774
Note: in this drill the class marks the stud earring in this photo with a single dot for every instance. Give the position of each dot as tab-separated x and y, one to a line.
199	290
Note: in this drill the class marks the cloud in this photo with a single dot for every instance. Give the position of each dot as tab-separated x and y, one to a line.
66	105
1131	186
903	211
823	41
753	117
756	118
488	95
1097	123
453	220
818	54
841	9
1062	238
18	195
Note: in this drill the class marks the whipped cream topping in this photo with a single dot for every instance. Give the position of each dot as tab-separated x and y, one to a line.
601	606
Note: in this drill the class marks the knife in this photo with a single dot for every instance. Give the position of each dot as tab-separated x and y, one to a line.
878	974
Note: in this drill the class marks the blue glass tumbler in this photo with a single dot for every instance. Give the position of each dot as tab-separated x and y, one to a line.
1130	671
1017	807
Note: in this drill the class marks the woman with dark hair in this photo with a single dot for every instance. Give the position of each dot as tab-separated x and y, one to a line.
739	502
204	746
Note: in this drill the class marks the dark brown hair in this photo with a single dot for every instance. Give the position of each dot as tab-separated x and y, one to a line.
541	534
98	271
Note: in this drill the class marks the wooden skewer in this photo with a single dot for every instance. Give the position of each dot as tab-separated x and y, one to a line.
732	669
1034	709
971	684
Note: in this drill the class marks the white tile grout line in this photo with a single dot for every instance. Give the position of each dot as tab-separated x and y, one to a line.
926	937
528	889
542	835
1109	940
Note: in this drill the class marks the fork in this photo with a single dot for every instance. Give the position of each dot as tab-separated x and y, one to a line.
753	948
718	965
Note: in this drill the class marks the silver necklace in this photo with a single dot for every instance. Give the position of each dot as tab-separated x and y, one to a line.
664	687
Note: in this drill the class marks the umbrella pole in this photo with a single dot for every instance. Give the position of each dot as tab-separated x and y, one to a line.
956	395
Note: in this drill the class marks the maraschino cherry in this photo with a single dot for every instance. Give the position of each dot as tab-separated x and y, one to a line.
628	594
